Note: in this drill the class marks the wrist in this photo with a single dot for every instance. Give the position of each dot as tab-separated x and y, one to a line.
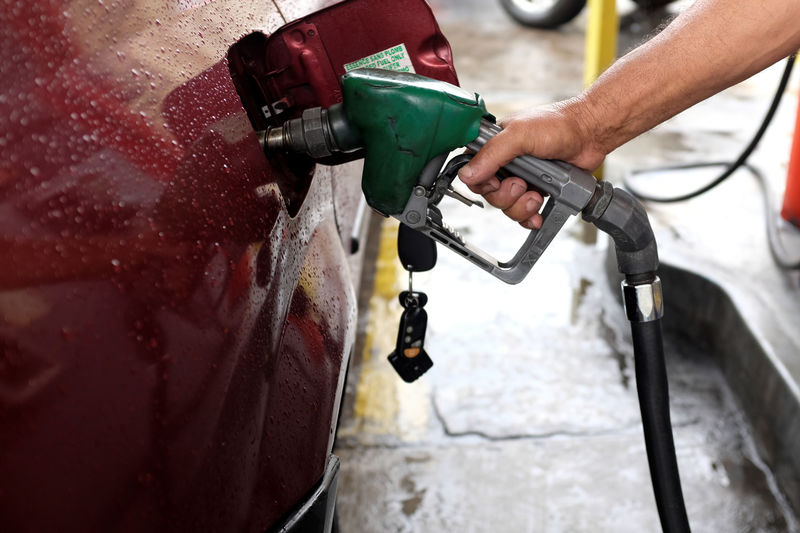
590	145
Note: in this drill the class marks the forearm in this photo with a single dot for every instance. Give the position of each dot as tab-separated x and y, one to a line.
713	45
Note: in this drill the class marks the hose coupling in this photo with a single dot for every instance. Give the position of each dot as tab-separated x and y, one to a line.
643	302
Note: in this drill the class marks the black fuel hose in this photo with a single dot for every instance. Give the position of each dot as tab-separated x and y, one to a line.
651	385
619	214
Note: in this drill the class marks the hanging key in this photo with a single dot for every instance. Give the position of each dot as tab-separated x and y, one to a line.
409	358
417	253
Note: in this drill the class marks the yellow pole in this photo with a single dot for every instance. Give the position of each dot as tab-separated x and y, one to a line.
600	51
601	43
601	38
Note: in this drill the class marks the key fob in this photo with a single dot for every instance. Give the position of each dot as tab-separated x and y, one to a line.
409	358
416	250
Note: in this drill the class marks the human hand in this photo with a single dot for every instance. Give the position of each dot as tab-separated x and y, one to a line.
552	132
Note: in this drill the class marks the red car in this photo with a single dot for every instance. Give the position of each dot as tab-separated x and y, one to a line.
177	310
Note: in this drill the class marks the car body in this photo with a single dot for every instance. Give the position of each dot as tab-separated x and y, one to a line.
176	310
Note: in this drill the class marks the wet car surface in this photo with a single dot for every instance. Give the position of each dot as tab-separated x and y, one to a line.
174	326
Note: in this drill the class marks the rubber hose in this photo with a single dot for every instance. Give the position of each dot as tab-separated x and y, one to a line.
651	384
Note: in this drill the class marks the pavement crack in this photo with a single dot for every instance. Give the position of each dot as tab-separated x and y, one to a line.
525	436
609	335
689	422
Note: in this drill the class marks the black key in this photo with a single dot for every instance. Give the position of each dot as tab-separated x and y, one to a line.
417	251
410	369
409	358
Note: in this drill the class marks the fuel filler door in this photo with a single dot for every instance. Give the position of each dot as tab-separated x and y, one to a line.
299	65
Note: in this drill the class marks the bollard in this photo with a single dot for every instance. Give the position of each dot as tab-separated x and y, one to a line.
791	197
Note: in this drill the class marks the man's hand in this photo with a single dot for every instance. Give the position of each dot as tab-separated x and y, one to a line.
553	132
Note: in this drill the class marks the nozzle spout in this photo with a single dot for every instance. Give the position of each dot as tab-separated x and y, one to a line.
318	133
273	140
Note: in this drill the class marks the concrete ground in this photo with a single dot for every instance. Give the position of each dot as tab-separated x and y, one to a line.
528	420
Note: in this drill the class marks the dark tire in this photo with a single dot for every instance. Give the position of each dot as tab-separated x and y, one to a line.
545	14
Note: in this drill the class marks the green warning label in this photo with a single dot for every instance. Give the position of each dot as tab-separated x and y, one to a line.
394	58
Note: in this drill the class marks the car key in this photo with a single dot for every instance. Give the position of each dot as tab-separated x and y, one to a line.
409	358
416	250
417	253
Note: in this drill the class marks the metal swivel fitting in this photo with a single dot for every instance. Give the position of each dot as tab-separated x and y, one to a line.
643	302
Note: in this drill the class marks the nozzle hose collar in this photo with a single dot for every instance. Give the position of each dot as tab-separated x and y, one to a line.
622	217
644	302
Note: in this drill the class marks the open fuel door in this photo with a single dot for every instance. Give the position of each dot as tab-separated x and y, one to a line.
299	65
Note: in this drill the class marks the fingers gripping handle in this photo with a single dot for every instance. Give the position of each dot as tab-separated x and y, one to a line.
563	183
569	190
422	214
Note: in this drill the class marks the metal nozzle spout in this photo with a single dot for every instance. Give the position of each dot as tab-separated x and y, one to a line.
272	140
319	133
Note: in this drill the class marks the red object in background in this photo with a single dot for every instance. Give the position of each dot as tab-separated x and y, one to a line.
791	196
174	329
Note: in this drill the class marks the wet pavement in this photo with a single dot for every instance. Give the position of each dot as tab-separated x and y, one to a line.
528	420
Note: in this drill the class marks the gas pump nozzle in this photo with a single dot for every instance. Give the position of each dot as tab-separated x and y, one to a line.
407	125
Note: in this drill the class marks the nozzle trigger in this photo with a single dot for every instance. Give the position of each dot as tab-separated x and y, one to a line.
452	193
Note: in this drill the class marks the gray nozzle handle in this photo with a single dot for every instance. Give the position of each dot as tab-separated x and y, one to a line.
564	183
569	190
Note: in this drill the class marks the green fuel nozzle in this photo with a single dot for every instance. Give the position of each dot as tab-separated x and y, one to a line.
408	124
402	120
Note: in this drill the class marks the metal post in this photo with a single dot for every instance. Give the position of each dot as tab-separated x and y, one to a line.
601	38
601	43
600	51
